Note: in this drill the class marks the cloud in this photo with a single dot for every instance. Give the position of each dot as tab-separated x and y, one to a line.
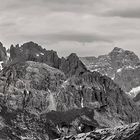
84	26
79	37
125	13
74	36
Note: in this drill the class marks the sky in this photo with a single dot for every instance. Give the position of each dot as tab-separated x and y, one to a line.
85	27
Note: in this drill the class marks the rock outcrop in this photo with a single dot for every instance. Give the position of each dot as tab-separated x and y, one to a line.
31	51
72	65
2	52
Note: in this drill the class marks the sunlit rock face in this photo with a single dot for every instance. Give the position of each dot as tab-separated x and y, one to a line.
72	65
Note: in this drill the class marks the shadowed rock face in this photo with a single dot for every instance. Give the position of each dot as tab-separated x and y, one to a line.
2	52
72	65
120	65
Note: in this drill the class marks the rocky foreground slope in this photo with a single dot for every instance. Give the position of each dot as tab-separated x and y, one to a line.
127	132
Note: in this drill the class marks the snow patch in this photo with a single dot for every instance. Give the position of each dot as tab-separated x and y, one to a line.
64	84
119	70
130	67
8	54
95	70
134	91
42	53
82	102
137	66
1	62
113	77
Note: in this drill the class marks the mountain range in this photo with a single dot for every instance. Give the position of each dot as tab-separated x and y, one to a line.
122	66
43	96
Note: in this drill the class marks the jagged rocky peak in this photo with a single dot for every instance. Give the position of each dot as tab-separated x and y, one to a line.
38	99
117	49
73	55
3	54
31	51
123	57
31	45
72	65
73	58
25	49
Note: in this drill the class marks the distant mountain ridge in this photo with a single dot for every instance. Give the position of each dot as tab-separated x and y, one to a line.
120	65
